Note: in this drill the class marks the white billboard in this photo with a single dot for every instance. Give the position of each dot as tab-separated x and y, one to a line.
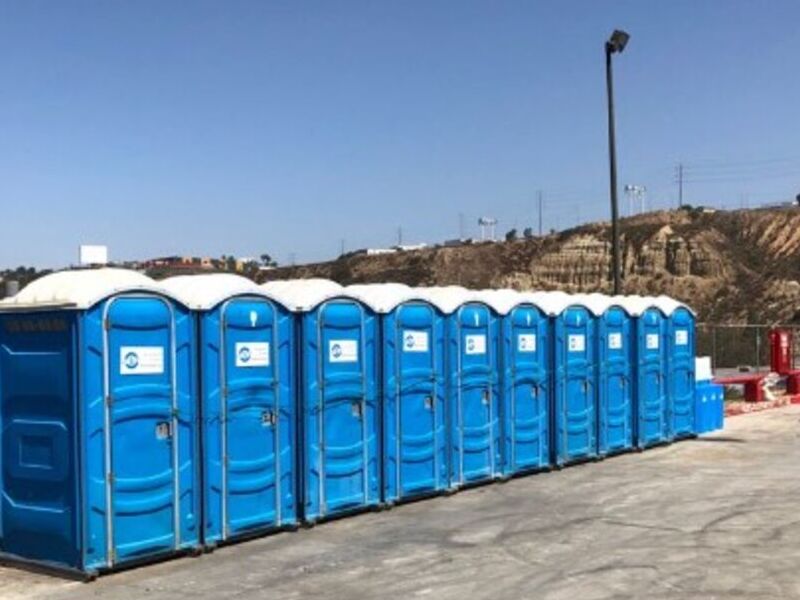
93	255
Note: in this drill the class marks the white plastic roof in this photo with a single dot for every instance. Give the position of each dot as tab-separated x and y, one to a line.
597	304
670	305
447	298
302	295
552	303
502	301
202	292
381	297
80	289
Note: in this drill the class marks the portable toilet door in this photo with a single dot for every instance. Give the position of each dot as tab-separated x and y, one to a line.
680	372
526	374
575	389
473	390
414	455
652	405
98	405
248	399
340	415
615	341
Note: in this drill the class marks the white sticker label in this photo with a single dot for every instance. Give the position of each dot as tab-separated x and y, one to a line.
141	360
652	341
576	343
252	354
681	337
615	341
475	344
340	351
526	342
415	341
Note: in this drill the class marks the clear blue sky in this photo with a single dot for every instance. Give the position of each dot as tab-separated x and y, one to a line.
212	127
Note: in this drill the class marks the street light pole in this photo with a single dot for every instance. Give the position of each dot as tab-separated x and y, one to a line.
616	43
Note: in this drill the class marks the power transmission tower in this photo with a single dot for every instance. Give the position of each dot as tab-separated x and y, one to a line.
487	223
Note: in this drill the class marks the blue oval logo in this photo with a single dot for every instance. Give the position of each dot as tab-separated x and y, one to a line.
131	360
244	354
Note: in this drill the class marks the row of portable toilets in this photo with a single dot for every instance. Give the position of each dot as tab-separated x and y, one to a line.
141	419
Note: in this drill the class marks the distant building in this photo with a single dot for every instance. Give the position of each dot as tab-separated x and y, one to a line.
409	247
180	262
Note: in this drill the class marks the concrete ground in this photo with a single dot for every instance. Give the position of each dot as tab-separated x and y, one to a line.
717	517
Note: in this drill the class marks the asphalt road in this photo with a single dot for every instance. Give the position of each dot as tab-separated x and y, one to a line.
717	517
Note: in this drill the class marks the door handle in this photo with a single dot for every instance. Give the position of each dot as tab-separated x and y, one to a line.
485	397
269	418
429	402
357	408
164	430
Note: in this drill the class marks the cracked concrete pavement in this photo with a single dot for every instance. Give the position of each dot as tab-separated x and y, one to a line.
717	517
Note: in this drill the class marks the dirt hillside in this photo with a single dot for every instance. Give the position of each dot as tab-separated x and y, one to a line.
738	266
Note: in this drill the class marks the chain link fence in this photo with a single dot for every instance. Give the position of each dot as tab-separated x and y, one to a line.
741	347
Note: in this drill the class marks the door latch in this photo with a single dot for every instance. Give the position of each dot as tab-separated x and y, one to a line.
268	418
358	409
485	396
163	430
429	402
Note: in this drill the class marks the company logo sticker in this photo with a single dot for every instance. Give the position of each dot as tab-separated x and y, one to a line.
475	344
681	337
576	342
615	341
526	342
340	351
141	360
651	341
415	341
252	354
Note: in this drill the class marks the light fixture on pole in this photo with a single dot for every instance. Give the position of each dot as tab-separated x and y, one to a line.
615	44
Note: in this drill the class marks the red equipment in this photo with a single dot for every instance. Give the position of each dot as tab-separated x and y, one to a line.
780	351
753	390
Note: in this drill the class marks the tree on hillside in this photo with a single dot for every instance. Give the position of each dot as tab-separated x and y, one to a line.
527	233
511	235
267	260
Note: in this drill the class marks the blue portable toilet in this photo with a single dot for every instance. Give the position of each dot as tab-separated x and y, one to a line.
652	414
680	365
98	418
248	398
574	420
703	398
615	385
473	385
338	342
525	361
413	379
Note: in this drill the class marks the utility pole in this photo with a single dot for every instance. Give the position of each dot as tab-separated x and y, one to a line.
461	226
615	44
540	198
680	185
341	247
399	236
